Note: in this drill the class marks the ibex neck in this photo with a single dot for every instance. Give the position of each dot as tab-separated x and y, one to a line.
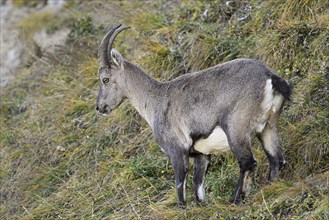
142	90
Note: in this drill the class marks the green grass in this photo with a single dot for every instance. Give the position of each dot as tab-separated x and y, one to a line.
60	159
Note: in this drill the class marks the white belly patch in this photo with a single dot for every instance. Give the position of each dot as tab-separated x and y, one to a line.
215	143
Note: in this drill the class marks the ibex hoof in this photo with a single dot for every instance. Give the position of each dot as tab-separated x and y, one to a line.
182	205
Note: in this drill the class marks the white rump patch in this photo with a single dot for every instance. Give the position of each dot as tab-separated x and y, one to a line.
216	142
270	104
266	106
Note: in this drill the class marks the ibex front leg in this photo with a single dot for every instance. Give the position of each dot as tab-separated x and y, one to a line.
201	163
179	161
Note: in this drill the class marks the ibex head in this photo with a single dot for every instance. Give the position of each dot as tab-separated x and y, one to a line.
111	66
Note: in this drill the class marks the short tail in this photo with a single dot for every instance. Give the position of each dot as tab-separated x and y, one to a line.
282	86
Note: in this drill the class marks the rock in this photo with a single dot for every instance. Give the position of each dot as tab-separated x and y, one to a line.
12	53
60	148
48	42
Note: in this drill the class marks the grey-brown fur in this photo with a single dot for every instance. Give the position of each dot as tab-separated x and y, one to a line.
180	112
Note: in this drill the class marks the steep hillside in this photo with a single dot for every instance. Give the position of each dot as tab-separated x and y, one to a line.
61	159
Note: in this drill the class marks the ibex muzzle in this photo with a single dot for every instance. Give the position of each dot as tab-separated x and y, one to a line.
201	113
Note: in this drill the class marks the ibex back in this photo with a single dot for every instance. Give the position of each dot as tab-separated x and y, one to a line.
201	113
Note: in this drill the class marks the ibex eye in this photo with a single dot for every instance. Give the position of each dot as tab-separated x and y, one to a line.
106	80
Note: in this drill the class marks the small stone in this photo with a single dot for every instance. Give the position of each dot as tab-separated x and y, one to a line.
60	148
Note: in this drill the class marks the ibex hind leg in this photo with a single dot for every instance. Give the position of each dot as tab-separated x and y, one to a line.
241	148
201	163
270	142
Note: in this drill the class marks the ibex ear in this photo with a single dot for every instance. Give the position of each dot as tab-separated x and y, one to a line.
116	58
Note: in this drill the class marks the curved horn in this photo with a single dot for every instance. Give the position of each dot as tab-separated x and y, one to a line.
109	47
102	50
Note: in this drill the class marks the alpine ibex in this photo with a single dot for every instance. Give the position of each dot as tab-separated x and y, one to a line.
201	113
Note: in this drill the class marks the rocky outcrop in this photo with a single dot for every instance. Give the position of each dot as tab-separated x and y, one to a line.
12	53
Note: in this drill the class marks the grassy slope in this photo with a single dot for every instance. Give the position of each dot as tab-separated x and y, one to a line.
60	159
